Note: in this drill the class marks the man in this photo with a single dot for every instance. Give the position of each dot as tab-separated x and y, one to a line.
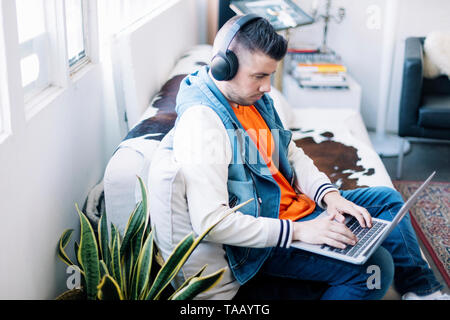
229	146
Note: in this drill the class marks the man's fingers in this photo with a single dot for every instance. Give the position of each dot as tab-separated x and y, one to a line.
358	215
363	216
340	217
342	239
366	215
341	232
334	243
335	214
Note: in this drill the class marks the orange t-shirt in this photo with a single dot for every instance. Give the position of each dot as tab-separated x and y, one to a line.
293	206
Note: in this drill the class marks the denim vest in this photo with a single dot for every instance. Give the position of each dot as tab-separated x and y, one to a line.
248	174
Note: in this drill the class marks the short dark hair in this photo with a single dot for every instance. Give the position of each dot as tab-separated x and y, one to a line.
259	35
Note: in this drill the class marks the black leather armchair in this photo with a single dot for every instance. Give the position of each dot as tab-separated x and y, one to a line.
425	103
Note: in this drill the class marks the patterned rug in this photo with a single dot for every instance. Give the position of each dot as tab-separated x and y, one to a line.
430	218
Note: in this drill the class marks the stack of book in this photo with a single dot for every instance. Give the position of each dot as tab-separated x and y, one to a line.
318	70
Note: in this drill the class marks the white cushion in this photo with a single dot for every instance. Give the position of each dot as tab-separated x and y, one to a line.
170	221
189	63
122	190
437	54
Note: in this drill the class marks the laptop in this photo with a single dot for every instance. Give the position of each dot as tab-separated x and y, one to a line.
369	239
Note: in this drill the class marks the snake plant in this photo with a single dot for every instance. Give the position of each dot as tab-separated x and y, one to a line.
113	267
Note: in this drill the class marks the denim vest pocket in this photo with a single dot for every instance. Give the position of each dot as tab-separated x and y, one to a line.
233	200
241	191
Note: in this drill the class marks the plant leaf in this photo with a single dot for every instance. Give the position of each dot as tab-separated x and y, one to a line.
115	267
103	269
127	257
109	289
144	201
226	214
88	256
113	235
76	248
170	268
103	239
141	275
188	280
126	263
63	241
180	254
136	242
135	221
198	285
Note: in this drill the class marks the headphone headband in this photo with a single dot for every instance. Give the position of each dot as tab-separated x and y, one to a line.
224	64
238	24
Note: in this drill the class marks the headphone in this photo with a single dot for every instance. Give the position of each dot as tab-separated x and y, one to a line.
224	65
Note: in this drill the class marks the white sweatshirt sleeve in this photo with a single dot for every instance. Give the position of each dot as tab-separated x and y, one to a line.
202	147
309	180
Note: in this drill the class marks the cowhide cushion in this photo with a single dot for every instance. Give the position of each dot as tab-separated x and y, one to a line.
338	161
338	143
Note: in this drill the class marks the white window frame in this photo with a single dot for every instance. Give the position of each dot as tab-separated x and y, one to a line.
56	52
16	109
26	49
88	7
10	81
62	74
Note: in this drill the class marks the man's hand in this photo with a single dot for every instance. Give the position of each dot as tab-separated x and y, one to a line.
331	229
324	230
338	205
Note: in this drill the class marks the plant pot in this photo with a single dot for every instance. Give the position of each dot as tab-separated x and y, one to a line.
74	294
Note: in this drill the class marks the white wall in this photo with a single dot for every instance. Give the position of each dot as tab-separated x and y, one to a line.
45	170
359	39
49	163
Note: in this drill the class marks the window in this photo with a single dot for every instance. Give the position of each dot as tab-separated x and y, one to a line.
45	49
75	27
34	42
42	42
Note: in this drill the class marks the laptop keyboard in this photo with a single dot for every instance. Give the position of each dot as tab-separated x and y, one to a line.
363	234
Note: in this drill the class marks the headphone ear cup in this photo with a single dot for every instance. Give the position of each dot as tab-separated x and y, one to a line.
220	67
234	64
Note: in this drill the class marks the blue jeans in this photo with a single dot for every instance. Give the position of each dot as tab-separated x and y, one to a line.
399	254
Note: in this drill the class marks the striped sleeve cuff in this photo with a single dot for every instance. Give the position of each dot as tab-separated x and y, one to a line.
322	191
285	237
